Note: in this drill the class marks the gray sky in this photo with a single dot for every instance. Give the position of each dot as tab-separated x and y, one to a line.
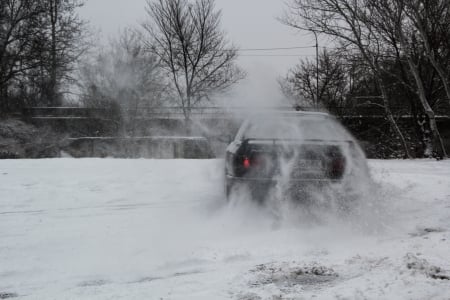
248	23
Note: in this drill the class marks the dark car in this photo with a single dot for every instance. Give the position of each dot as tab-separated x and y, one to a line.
297	151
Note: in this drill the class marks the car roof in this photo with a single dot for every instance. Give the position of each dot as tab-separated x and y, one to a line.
287	113
264	116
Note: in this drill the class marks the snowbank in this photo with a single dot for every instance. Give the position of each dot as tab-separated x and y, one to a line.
152	229
22	140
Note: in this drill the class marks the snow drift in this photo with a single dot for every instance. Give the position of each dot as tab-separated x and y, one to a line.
135	229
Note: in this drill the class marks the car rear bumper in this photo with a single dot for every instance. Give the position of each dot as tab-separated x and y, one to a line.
260	187
274	181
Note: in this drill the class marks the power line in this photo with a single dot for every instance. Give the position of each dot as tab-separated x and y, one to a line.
275	49
276	55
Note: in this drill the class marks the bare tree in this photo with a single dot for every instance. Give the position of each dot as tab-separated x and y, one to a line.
431	19
187	38
126	75
391	23
65	35
19	21
344	20
39	42
300	82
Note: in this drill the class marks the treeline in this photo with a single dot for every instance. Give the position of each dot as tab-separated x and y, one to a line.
178	56
40	42
388	56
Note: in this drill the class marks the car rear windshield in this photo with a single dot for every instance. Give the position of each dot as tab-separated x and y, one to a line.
297	128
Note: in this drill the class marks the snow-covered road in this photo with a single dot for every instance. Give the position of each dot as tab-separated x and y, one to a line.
161	229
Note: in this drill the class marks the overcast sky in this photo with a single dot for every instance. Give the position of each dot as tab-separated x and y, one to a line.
248	23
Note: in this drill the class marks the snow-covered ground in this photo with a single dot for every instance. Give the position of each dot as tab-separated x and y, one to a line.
161	229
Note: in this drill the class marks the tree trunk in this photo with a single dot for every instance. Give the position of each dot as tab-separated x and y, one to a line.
3	99
430	53
188	120
391	119
441	73
437	139
53	64
377	70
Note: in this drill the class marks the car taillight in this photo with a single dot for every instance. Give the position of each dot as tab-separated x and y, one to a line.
246	163
337	167
241	165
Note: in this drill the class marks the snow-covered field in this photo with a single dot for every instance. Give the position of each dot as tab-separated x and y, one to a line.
161	229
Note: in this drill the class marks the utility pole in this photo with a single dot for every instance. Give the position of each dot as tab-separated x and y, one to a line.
316	104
